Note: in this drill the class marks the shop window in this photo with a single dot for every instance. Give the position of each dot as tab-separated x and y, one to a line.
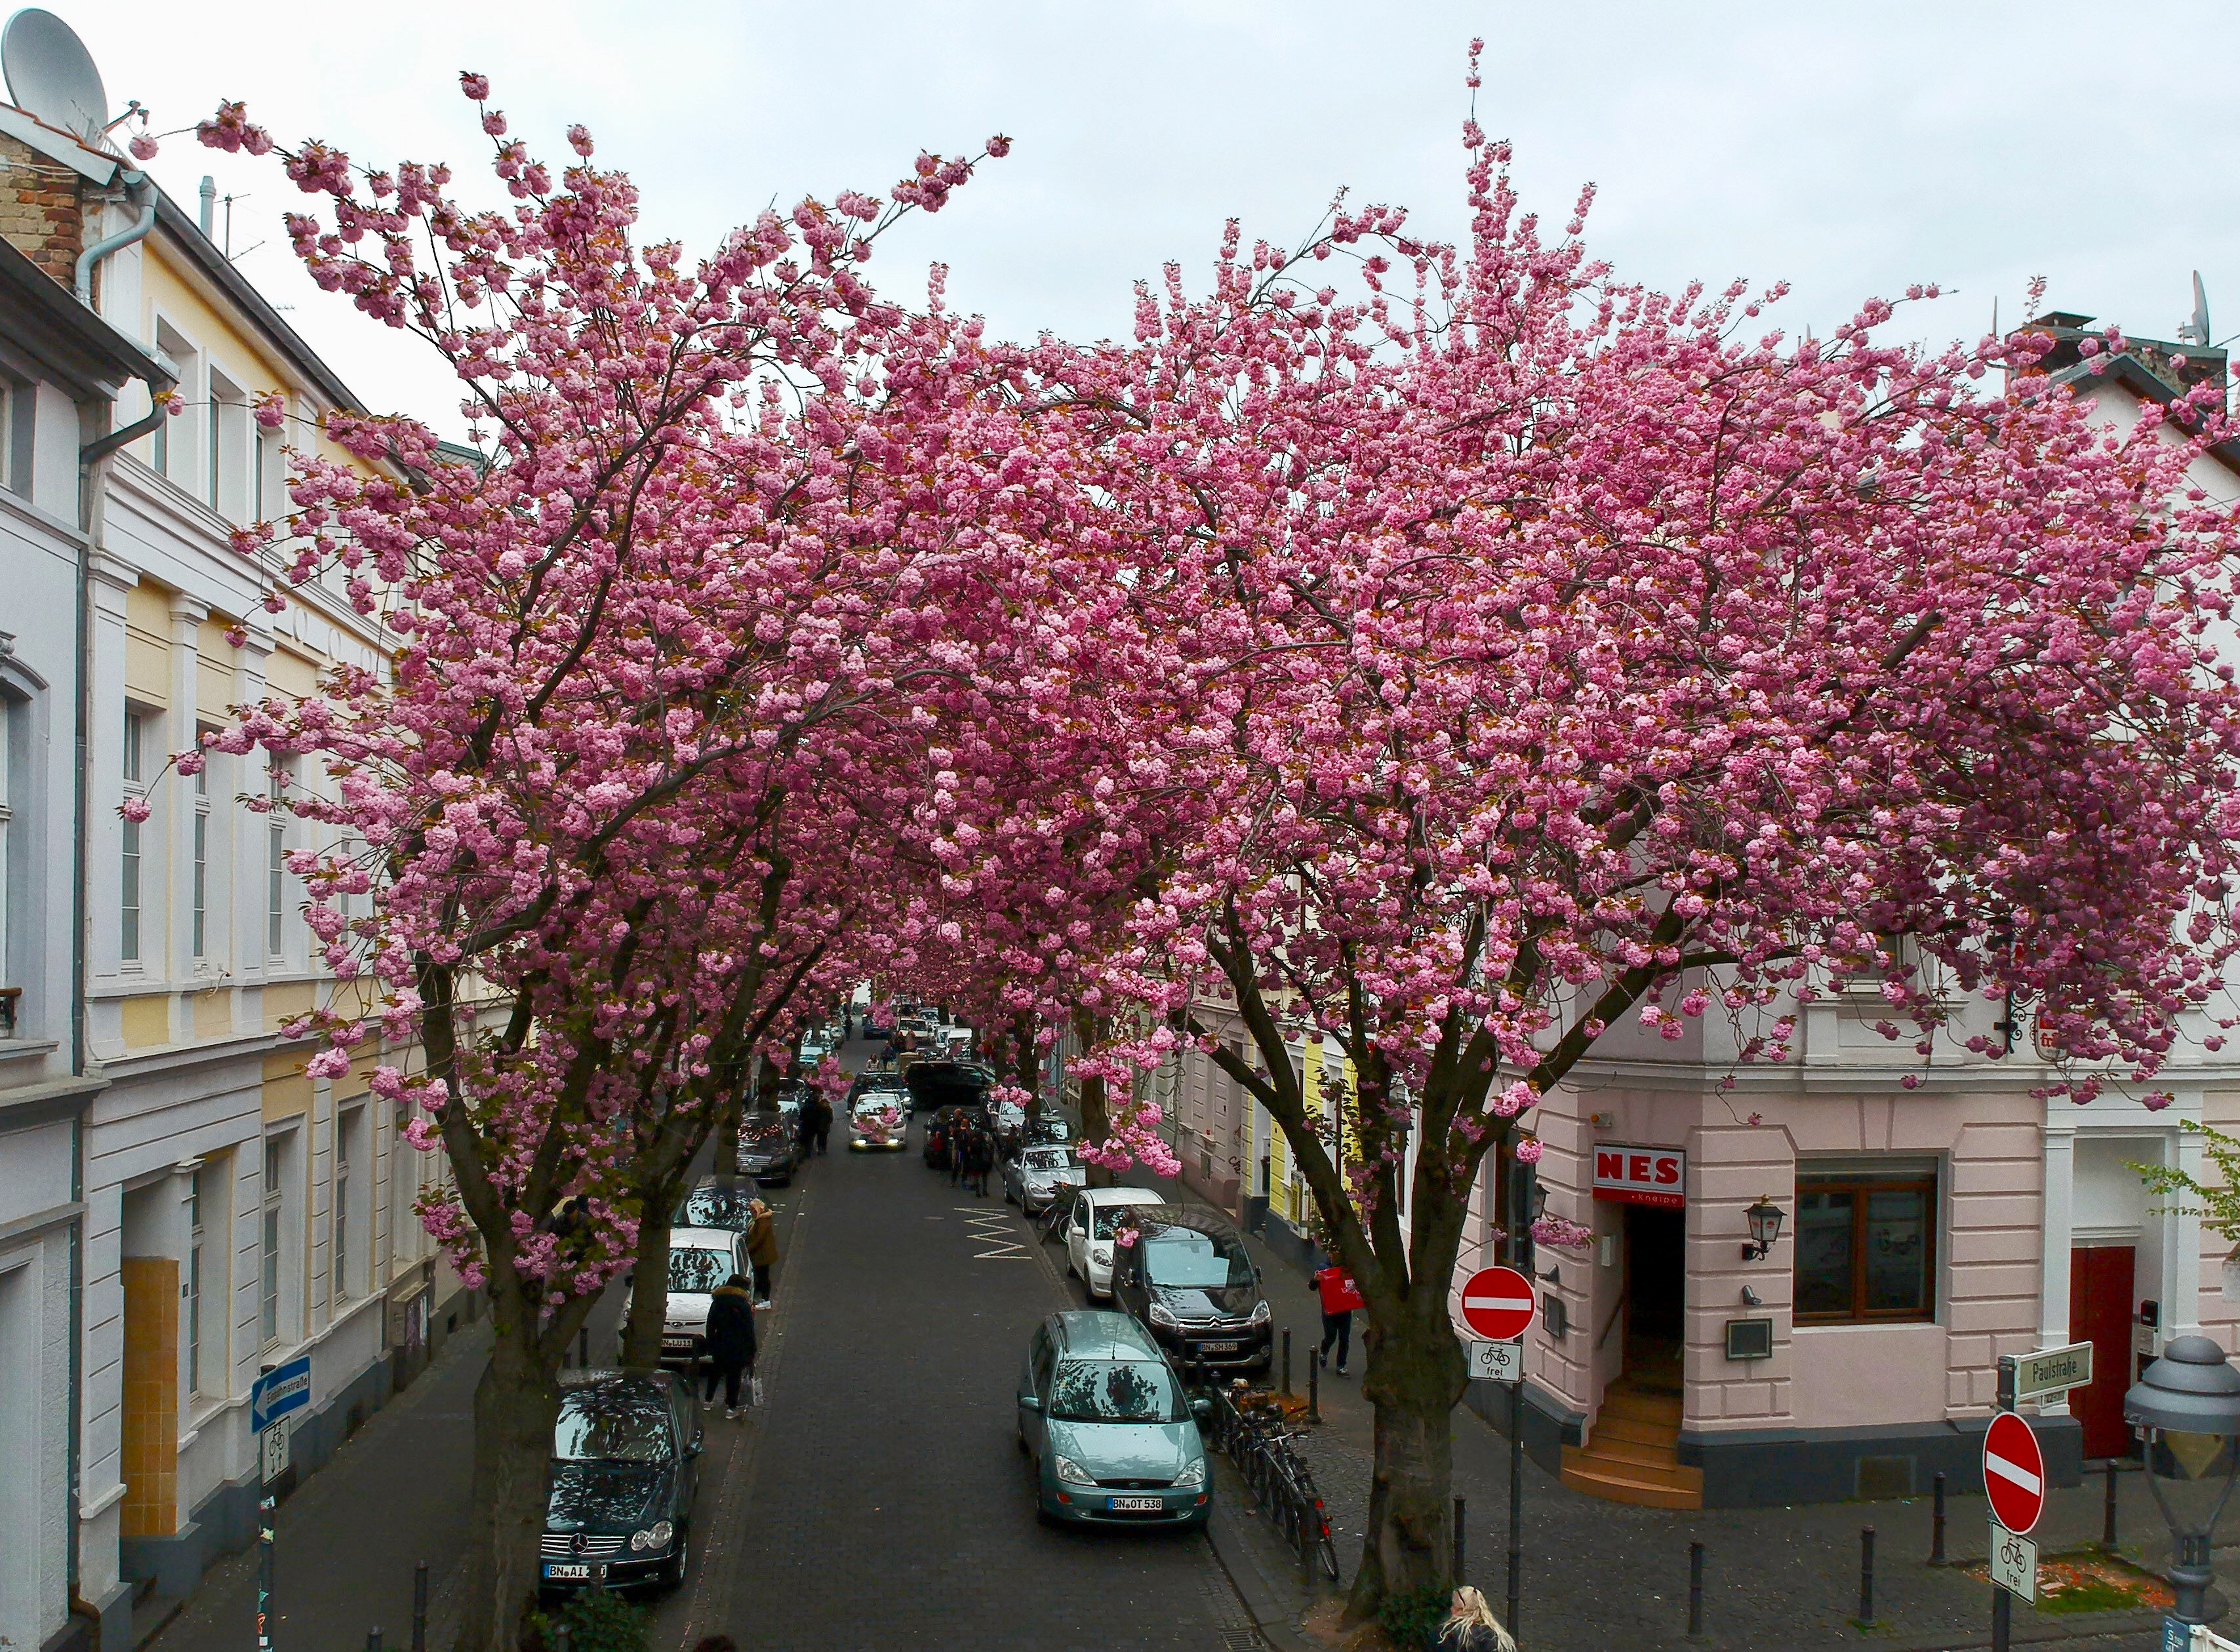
1866	1243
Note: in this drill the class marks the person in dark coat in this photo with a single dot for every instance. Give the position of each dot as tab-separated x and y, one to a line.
822	1111
731	1339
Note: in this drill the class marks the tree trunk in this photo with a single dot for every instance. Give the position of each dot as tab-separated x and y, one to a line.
1096	1124
1026	1065
516	1404
648	1309
766	1080
727	1133
1413	1377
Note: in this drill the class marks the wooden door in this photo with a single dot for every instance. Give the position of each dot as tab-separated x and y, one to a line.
2100	1309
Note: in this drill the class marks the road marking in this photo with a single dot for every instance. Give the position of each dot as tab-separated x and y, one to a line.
994	1230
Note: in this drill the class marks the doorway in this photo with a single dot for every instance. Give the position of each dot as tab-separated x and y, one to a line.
1656	1297
2100	1285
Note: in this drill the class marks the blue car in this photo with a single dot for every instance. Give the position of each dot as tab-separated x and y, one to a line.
1114	1440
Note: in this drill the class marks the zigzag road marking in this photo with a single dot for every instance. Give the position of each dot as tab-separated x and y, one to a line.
994	1228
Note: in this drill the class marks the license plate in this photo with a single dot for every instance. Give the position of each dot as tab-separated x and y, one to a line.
1120	1505
1219	1348
568	1571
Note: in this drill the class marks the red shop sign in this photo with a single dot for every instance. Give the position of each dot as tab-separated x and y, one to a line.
1641	1175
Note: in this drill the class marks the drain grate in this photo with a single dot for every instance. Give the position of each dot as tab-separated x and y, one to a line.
1242	1640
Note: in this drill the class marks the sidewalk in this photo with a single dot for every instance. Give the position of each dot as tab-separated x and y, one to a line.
1598	1575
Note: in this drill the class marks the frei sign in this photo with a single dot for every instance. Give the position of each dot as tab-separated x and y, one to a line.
1655	1175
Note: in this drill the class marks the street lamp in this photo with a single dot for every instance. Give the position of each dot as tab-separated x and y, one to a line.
2188	1402
1766	1219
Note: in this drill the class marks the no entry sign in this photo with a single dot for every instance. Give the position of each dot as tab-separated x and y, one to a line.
2014	1473
1497	1303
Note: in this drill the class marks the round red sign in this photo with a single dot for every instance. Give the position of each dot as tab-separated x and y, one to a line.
1497	1303
2014	1473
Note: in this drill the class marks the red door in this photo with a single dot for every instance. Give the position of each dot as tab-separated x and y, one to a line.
2100	1313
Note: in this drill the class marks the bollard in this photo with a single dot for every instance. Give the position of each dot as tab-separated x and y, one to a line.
2108	1511
583	1348
420	1608
1459	1550
1866	1574
1314	1391
373	1639
1695	1591
1936	1521
561	1637
1287	1361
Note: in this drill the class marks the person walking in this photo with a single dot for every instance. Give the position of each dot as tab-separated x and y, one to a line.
1340	1298
730	1340
823	1110
762	1248
960	1147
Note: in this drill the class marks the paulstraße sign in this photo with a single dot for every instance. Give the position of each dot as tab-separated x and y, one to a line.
2053	1370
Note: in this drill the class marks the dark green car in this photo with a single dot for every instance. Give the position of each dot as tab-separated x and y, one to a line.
626	1464
1114	1441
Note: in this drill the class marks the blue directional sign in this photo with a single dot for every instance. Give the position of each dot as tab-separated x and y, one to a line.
280	1391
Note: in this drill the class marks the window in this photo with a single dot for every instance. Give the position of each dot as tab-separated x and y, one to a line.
173	352
194	1283
268	1275
348	1148
128	892
202	862
276	873
1866	1243
216	438
8	745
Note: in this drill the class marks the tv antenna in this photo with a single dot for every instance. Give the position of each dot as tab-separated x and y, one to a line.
50	75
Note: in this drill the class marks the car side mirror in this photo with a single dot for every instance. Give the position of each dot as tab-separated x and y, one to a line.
1201	1407
1030	1402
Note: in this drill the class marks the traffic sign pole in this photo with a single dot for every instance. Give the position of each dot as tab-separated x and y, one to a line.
2002	1603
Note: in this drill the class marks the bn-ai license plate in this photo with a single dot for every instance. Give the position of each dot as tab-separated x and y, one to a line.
1219	1348
1121	1505
566	1571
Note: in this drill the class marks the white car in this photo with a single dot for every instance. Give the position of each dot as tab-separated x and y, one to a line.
880	1123
1090	1231
700	1260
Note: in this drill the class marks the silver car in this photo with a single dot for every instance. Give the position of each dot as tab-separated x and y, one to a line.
1041	1175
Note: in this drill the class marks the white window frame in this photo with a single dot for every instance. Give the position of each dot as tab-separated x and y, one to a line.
275	867
349	1128
272	1216
194	1291
200	907
175	352
132	860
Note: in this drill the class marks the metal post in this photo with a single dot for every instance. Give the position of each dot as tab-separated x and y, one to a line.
1459	1549
373	1639
1287	1361
420	1608
1866	1575
1936	1521
1694	1590
2108	1511
265	1518
561	1637
584	1348
1314	1391
1515	1502
2002	1603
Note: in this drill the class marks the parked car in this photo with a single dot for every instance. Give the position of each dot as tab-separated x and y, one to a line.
770	1147
1113	1440
1096	1215
934	1084
715	1201
1047	1126
1041	1175
1186	1276
700	1259
879	1124
626	1464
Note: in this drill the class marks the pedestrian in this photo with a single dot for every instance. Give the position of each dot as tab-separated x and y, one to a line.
960	1145
1340	1298
762	1248
730	1340
804	1127
1471	1626
984	1159
823	1111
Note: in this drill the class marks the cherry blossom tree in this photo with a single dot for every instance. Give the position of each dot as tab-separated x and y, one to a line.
633	638
1556	653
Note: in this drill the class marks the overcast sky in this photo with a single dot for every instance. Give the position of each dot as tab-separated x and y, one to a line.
1849	150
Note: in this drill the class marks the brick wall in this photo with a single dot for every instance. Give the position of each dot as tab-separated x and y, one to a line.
42	212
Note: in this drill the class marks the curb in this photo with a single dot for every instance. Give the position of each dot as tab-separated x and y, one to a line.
1270	1616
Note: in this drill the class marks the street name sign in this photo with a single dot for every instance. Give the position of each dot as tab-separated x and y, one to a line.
2013	1563
1497	1303
2053	1370
1496	1362
2014	1473
280	1391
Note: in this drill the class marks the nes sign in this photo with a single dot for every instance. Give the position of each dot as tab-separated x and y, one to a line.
1641	1175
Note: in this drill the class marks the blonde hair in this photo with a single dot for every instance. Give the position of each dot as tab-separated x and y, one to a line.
1471	1610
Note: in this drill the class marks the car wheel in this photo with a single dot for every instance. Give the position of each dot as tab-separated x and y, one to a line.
675	1579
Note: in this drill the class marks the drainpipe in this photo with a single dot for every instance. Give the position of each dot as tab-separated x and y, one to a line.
139	189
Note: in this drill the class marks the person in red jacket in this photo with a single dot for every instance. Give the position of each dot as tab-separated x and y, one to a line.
1340	1298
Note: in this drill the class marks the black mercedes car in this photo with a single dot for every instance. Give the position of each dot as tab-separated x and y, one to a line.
934	1084
770	1147
626	1464
1186	1276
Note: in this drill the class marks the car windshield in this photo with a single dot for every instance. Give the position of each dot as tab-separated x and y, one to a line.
1047	1158
1110	1218
616	1422
1113	1391
1184	1256
762	1127
699	1270
714	1208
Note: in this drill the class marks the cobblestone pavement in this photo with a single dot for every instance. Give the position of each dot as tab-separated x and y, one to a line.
887	1505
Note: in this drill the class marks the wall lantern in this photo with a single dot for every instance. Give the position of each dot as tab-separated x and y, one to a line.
1765	1218
2187	1403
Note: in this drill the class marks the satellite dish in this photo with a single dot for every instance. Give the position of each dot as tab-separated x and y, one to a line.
51	74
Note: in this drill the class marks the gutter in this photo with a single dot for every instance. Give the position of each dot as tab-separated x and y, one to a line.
140	188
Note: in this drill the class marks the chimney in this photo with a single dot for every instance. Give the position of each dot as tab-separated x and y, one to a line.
209	216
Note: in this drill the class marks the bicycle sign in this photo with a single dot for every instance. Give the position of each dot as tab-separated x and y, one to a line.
1495	1362
2013	1563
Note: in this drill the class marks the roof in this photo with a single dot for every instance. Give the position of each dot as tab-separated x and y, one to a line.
604	1377
40	316
1123	1195
1211	1222
1100	1333
702	1239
